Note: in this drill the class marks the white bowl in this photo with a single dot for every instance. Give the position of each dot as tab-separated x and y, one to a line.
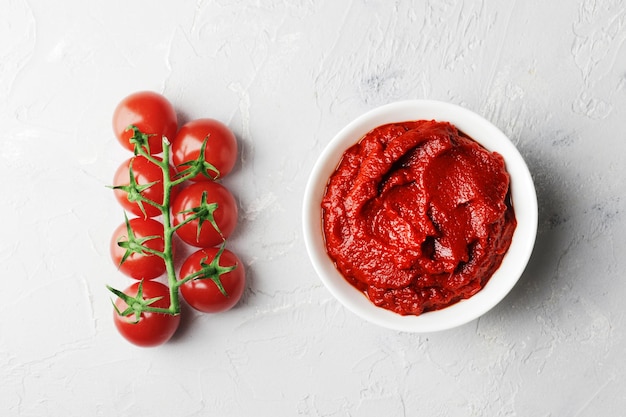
524	203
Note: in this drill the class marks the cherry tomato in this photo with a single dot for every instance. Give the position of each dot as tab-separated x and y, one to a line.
204	294
149	329
151	113
220	150
144	173
215	204
127	253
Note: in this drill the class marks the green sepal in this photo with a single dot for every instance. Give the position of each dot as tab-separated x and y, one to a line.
204	213
136	305
212	270
133	244
134	190
200	165
139	139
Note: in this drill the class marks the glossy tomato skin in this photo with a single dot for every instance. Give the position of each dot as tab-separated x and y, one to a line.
139	265
204	294
151	113
225	215
152	329
144	172
221	146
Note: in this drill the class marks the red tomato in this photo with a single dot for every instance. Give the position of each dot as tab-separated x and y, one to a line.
204	294
151	113
149	329
218	208
144	173
220	150
131	259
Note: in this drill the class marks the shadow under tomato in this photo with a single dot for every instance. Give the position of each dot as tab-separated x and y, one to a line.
187	319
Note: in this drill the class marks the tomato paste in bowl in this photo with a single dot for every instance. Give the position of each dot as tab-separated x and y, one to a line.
420	216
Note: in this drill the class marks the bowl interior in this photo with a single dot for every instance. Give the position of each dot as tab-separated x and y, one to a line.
522	193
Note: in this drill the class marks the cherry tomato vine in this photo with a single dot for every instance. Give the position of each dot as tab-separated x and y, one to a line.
189	202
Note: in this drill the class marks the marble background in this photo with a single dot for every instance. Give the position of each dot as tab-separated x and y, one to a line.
286	76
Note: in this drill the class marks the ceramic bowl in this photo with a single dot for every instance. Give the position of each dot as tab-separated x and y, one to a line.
524	202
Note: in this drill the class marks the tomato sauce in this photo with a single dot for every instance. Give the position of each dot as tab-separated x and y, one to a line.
418	216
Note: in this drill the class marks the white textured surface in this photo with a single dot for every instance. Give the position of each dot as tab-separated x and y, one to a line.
286	76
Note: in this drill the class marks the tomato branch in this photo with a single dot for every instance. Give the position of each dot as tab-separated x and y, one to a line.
203	213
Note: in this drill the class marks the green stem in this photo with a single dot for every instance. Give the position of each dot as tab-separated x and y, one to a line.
168	228
150	158
169	310
180	180
193	276
158	206
153	251
189	219
169	231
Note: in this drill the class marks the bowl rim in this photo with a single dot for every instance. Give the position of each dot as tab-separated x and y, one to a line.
523	195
